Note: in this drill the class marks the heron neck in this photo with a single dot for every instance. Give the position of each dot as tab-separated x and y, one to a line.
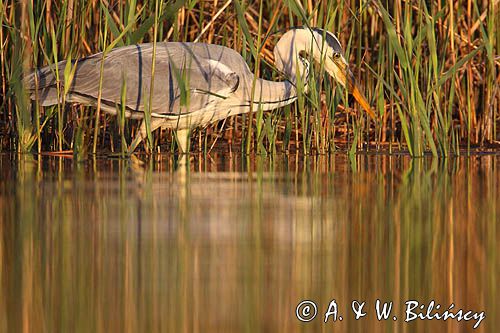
272	95
288	59
289	55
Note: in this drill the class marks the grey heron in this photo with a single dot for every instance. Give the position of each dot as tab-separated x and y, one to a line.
195	84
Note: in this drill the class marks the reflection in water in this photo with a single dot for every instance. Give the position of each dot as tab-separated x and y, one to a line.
234	244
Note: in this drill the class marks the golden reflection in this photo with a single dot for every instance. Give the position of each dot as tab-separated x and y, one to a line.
234	244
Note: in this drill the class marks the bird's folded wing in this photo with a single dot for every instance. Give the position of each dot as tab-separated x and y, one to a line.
184	81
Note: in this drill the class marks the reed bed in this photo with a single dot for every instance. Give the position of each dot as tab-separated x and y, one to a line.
431	70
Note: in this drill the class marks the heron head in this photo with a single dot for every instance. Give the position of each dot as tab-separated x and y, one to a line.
298	44
327	49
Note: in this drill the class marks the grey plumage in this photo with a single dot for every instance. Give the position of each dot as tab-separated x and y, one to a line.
331	40
132	64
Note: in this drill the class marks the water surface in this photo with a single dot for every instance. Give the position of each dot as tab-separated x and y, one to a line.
235	244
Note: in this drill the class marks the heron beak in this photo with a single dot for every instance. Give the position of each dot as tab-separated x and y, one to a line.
341	72
353	88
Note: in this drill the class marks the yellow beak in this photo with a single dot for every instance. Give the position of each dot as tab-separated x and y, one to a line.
358	95
341	72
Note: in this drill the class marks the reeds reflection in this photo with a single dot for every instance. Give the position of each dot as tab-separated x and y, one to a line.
234	244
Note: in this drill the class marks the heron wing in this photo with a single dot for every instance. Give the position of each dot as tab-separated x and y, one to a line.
187	77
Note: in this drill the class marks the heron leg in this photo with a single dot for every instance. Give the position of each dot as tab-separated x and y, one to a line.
134	144
142	135
183	140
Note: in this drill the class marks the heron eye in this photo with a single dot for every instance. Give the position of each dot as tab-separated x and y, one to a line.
336	55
